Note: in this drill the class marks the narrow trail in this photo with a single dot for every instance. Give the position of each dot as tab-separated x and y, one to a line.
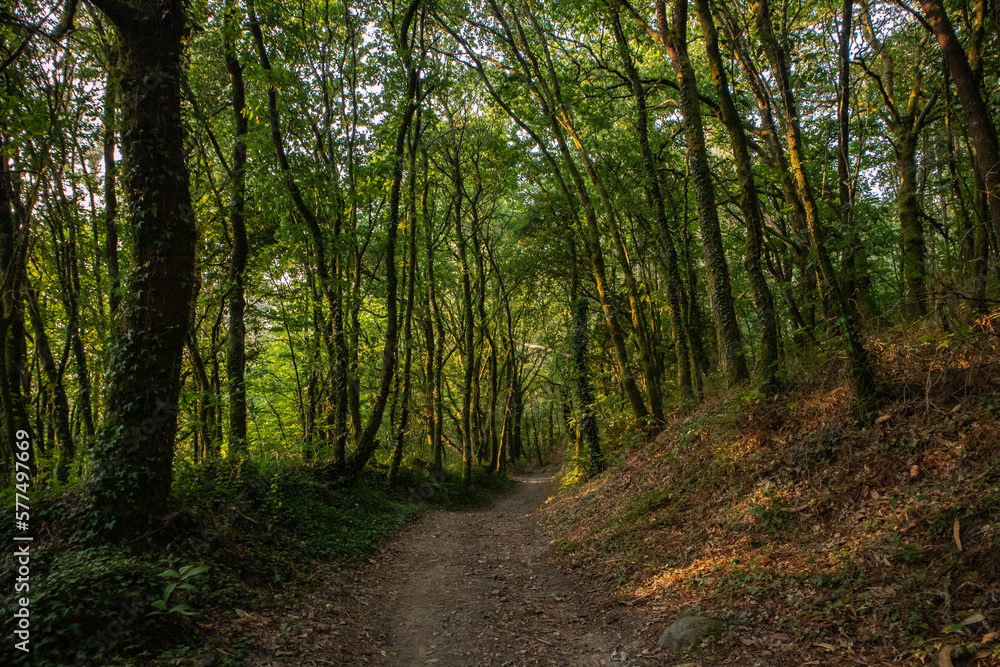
483	588
479	588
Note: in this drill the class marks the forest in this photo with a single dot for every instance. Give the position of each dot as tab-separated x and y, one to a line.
270	263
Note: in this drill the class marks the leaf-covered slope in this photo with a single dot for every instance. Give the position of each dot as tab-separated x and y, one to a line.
815	538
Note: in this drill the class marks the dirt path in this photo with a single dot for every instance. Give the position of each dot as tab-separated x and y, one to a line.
482	588
478	588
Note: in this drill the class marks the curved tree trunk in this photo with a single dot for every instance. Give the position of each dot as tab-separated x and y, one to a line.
60	404
911	226
805	318
977	113
367	441
549	103
13	280
111	195
589	448
749	203
411	276
468	326
655	196
727	330
862	366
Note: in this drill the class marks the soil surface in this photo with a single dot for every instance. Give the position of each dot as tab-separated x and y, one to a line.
483	588
472	588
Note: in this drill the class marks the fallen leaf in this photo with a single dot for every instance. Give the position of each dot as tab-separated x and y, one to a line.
883	419
914	471
975	618
828	647
944	656
991	637
954	531
956	408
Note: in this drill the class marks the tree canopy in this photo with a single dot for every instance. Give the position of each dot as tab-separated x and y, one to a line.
366	234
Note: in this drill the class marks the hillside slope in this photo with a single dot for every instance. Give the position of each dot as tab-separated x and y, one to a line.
818	541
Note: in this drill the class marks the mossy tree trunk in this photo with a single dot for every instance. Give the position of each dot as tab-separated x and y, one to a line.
655	196
977	112
843	310
749	203
133	456
13	280
727	330
236	341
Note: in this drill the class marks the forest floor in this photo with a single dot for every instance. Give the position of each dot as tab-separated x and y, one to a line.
814	539
469	588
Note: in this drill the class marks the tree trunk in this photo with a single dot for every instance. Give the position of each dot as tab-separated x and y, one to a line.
404	417
236	343
64	237
862	367
589	443
468	353
207	402
779	161
60	404
911	225
977	113
367	441
434	332
849	260
549	103
727	330
749	203
494	441
111	195
655	196
134	454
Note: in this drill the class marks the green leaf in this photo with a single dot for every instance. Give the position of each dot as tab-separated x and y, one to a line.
192	571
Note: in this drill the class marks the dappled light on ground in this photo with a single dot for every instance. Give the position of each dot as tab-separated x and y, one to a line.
791	519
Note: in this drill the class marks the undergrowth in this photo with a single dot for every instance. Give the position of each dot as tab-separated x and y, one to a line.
247	536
